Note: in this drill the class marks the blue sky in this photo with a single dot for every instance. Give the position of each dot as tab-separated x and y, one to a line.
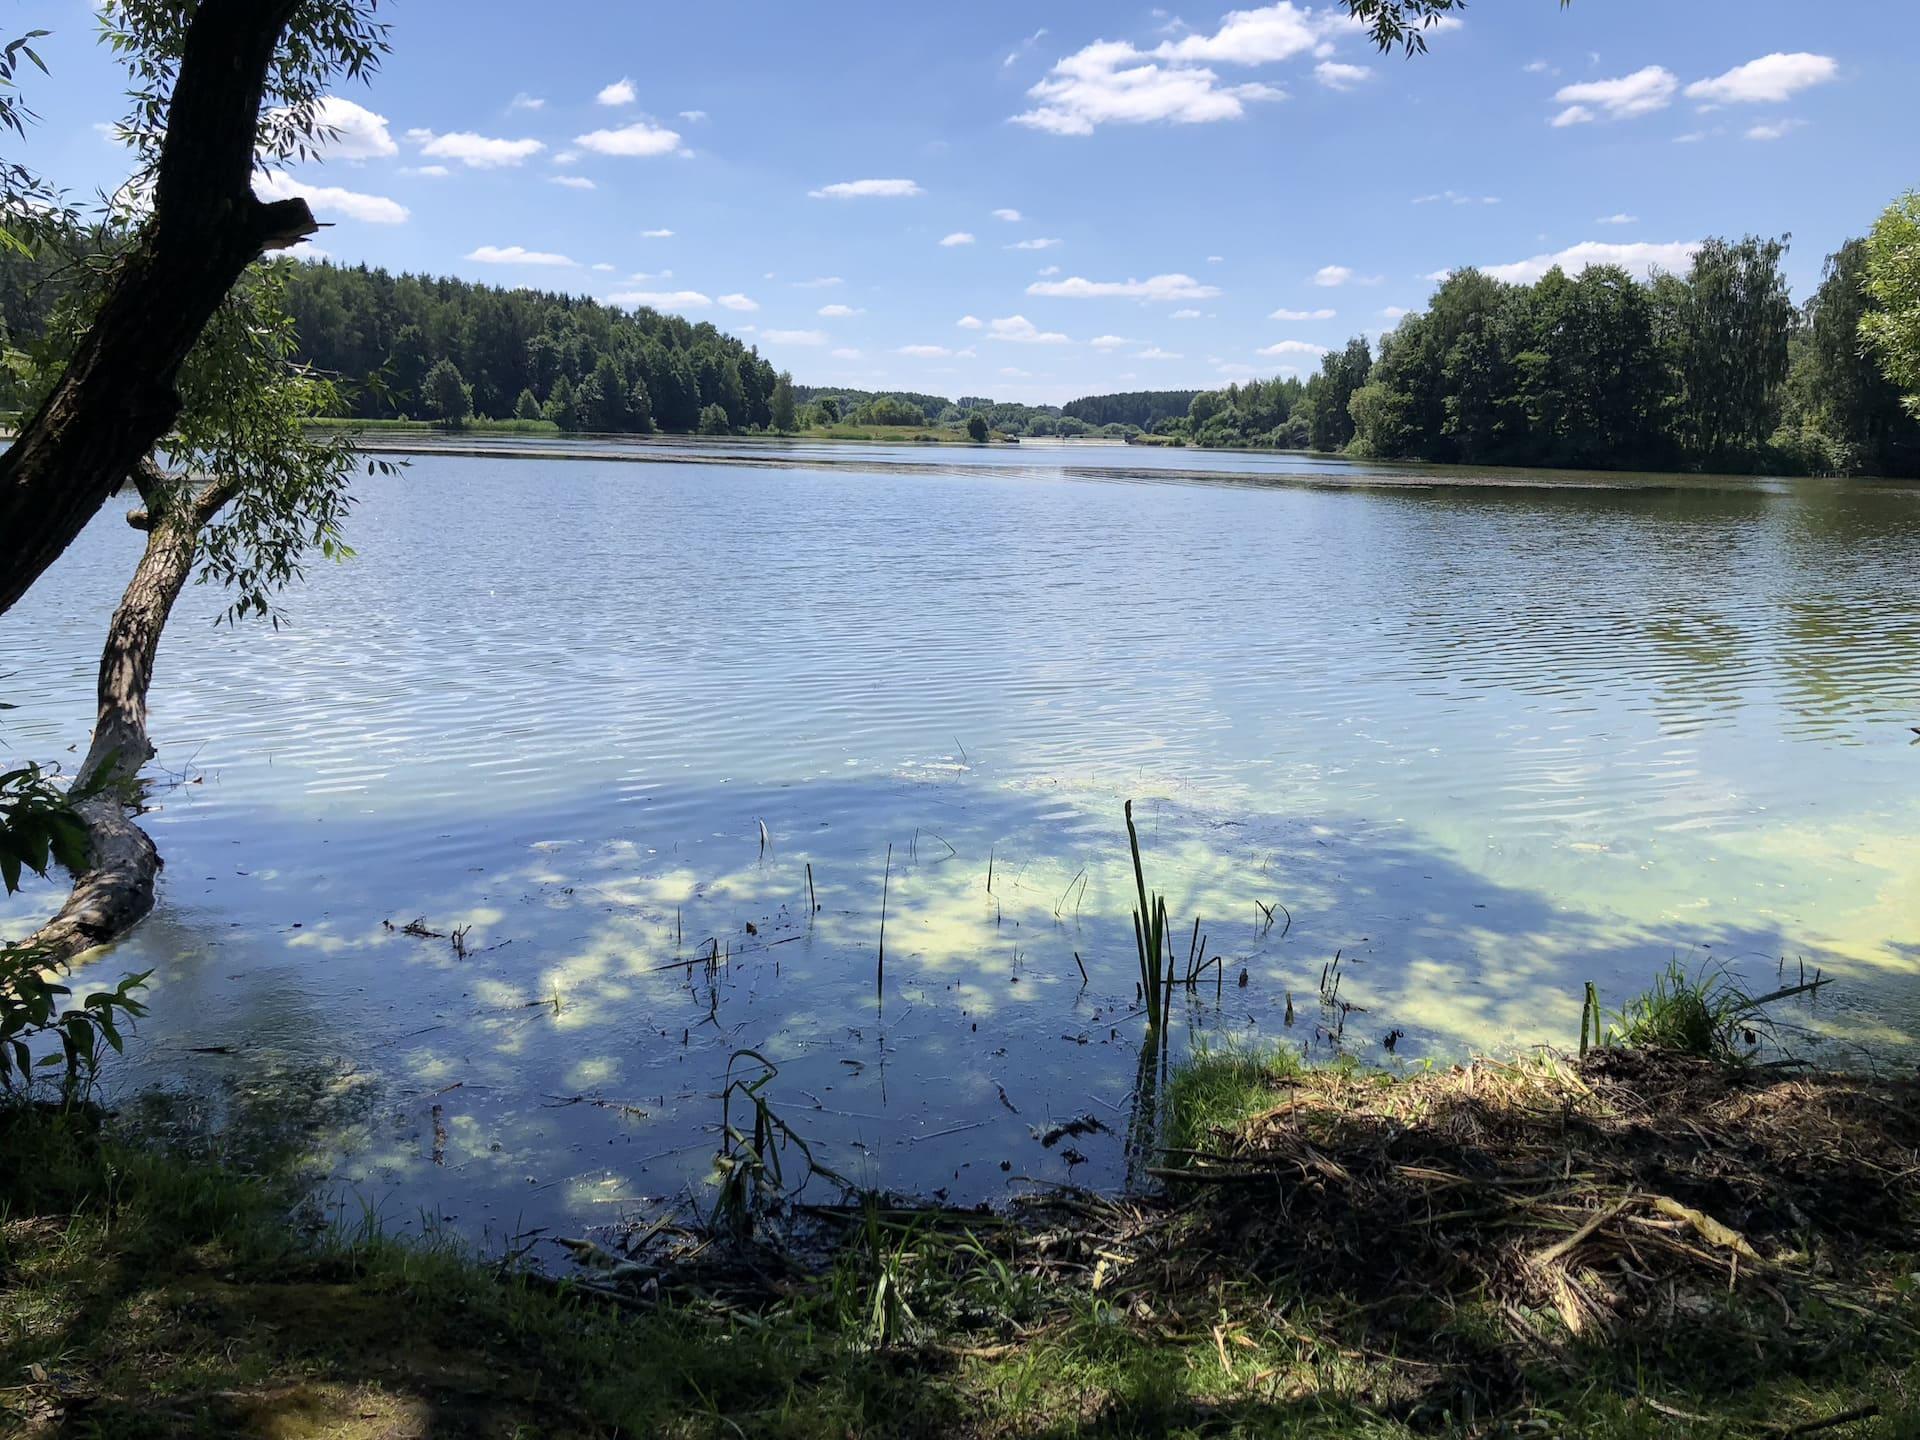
1037	201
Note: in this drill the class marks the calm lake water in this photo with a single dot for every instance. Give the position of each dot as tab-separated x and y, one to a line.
1485	741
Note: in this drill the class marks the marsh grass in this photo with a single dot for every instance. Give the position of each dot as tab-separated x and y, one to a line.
1705	1014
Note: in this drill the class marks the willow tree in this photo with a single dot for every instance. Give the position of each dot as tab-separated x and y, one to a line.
231	486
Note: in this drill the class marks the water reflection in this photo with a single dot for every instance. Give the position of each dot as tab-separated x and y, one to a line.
1486	744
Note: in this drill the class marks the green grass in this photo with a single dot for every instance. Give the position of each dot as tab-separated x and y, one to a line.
144	1292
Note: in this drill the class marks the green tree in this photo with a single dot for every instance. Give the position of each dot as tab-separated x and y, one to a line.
526	407
1836	388
640	409
604	397
449	397
977	428
713	421
1729	338
1893	284
560	407
782	408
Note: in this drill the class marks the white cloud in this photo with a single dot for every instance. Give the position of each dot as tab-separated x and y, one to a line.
1766	81
660	234
738	302
694	117
1641	258
1109	342
838	312
969	322
958	237
1014	372
1022	331
867	189
573	182
662	299
1640	93
477	152
524	101
846	353
1336	76
1396	312
603	265
926	352
1292	347
620	92
306	250
1046	270
1154	352
1041	243
638	139
350	131
648	277
822	282
1539	67
516	255
1113	83
1156	287
431	172
794	337
1621	219
1013	56
1012	217
1331	277
332	200
1285	314
566	157
1184	315
1454	197
1774	130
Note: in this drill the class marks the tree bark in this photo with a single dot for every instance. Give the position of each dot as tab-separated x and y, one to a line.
115	892
116	398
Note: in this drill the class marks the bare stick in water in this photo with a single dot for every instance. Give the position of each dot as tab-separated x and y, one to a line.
886	883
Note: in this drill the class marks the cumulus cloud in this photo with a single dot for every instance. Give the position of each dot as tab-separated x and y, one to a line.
1396	312
620	92
1292	347
524	101
867	189
1252	37
838	312
332	200
1641	258
794	337
738	302
694	117
1039	243
970	322
1623	98
1012	217
638	139
1766	81
431	172
350	131
516	255
1188	314
1336	76
1621	219
1774	130
958	237
662	299
573	182
925	352
477	152
821	282
1022	331
1285	314
1332	277
1155	287
661	234
1154	352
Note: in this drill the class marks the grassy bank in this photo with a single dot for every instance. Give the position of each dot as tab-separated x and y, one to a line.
432	427
1637	1245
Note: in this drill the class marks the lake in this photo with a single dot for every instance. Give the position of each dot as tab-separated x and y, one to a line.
1485	737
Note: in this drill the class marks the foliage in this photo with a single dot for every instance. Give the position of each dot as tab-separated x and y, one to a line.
1843	413
1893	284
977	428
590	366
1141	408
1706	1014
783	418
37	826
713	421
447	395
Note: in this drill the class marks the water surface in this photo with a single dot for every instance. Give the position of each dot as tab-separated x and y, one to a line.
1485	741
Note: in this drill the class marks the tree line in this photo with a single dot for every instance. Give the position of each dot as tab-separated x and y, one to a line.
1715	369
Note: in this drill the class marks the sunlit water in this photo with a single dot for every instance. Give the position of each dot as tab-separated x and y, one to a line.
1484	741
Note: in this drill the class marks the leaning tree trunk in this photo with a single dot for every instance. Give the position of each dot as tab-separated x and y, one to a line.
116	398
115	891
